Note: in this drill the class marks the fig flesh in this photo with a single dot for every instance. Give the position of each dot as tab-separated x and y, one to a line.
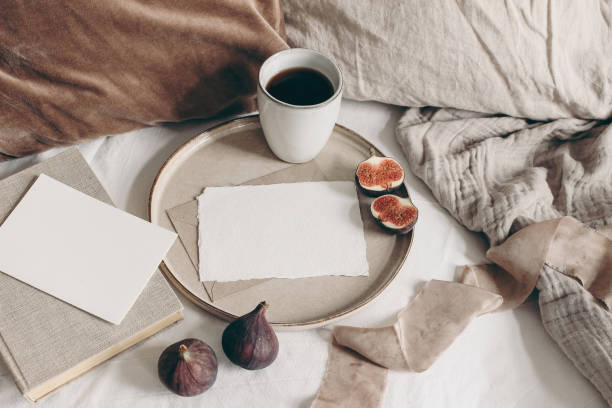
188	367
379	175
395	214
249	341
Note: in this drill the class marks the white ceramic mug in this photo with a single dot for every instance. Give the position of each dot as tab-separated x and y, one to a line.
297	133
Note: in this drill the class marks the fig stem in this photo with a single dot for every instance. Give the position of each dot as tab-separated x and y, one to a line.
263	306
372	152
183	354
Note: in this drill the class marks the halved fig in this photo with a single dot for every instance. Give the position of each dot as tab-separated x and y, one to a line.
395	214
379	175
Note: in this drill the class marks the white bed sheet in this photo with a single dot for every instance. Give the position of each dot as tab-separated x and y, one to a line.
501	360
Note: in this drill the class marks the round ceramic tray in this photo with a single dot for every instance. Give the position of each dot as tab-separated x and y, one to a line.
234	153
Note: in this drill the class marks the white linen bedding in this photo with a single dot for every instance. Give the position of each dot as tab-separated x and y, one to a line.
501	360
535	59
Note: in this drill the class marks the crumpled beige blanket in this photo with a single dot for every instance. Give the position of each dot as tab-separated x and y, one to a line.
498	174
571	265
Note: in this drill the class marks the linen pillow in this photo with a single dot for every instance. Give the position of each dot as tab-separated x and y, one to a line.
539	59
76	69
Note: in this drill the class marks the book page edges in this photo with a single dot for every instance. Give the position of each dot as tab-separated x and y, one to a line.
38	392
12	366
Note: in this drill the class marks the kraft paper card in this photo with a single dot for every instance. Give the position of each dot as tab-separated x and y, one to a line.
184	218
288	230
80	250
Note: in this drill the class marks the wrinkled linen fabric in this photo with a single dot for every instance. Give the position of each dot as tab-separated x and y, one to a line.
76	69
497	174
569	262
537	59
579	325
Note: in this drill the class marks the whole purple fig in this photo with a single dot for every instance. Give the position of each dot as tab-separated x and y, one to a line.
249	341
188	367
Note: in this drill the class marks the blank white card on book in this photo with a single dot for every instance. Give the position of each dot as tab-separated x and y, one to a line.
80	250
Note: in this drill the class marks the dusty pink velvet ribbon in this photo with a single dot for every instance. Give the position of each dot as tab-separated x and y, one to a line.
360	357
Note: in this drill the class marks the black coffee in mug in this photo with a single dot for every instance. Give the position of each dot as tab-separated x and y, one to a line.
300	86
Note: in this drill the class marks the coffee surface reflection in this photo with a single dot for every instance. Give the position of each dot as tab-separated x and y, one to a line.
300	86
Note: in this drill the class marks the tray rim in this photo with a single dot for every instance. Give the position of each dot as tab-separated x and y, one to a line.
209	307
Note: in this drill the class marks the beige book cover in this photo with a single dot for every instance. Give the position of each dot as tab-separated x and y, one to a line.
46	342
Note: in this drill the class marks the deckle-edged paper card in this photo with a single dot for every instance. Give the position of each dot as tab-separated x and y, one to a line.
80	250
184	218
292	230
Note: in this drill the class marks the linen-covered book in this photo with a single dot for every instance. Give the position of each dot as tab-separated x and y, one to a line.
46	342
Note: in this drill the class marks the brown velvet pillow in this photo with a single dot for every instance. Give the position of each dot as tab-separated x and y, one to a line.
77	69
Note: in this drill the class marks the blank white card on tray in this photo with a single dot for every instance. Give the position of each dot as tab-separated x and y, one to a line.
292	230
80	250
